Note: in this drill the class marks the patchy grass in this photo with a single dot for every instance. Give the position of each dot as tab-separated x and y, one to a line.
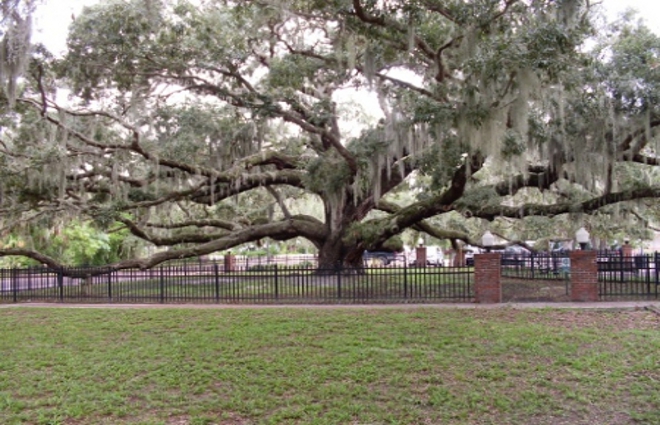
318	366
526	290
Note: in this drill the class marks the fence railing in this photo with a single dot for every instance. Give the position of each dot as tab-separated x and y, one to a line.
626	276
536	266
618	275
214	283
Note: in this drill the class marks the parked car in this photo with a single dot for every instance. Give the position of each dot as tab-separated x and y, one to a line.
380	258
434	257
469	252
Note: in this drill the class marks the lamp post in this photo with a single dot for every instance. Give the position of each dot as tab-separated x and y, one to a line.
487	240
582	237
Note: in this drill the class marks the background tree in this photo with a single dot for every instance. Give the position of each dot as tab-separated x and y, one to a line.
15	46
201	127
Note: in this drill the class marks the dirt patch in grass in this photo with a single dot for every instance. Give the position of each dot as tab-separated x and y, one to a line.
539	290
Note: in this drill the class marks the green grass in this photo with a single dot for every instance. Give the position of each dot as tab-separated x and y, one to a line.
328	366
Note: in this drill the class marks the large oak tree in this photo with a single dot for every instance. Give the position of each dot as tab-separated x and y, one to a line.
206	125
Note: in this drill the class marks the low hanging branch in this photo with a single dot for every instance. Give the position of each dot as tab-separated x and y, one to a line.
282	230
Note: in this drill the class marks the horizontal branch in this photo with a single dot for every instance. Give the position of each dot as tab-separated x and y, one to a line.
282	230
426	227
224	190
196	237
644	159
221	224
593	204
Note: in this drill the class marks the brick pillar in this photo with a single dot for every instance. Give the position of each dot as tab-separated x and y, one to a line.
420	256
584	276
230	263
459	258
487	272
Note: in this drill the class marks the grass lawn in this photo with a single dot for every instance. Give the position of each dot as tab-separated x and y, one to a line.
328	366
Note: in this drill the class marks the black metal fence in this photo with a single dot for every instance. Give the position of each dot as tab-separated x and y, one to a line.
535	277
628	276
214	283
536	266
619	276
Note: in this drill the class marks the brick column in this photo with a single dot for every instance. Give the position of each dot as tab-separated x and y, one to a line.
420	256
459	258
487	272
230	263
584	276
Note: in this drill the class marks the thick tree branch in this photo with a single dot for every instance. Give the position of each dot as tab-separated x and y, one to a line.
196	237
645	159
282	230
541	178
418	211
223	190
287	229
424	226
593	204
221	224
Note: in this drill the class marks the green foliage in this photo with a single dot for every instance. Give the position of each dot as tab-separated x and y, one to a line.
81	244
512	145
107	34
327	174
630	66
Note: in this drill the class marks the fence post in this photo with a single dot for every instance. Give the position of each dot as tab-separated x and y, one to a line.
656	260
277	291
14	284
60	283
110	286
30	272
405	280
217	282
339	280
162	285
645	260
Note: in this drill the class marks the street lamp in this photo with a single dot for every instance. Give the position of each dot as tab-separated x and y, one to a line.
487	240
582	237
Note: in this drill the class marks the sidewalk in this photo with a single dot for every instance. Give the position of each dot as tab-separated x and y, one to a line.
623	305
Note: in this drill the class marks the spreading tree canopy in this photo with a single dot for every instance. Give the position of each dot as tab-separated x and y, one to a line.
204	125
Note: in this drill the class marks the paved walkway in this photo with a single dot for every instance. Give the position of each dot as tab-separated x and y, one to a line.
623	305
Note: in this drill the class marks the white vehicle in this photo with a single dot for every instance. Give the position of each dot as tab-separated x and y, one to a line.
468	253
434	256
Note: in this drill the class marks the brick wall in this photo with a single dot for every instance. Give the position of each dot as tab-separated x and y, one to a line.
487	283
584	276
